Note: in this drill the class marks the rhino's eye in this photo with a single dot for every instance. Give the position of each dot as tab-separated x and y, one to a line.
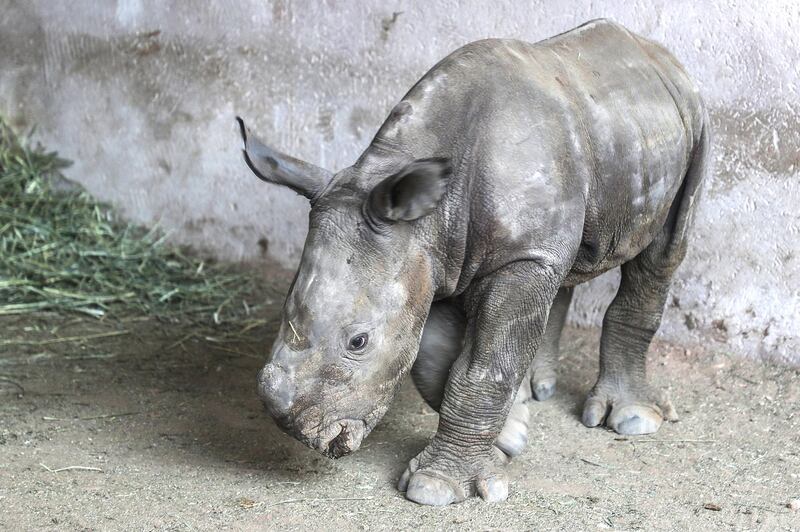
358	342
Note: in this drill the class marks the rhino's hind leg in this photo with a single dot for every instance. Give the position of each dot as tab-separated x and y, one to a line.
622	398
441	343
543	369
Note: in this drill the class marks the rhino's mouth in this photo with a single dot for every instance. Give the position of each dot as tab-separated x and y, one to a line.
335	439
340	438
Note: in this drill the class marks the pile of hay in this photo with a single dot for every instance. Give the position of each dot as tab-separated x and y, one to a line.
63	251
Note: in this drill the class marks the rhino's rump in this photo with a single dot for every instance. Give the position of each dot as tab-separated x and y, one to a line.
638	120
615	122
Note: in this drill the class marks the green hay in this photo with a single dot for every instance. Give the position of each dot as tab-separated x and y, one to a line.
63	251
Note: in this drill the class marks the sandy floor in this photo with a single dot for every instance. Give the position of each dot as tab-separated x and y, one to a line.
175	438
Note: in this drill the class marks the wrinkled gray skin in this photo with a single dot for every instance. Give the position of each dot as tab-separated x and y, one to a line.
508	174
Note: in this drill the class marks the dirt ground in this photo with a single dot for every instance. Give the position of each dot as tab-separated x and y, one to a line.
142	431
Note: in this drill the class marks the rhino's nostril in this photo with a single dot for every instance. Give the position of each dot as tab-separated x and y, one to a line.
341	438
339	446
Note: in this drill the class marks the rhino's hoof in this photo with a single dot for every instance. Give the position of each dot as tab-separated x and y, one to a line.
512	444
493	488
514	436
594	412
542	382
544	389
433	490
402	483
449	481
635	420
413	464
626	416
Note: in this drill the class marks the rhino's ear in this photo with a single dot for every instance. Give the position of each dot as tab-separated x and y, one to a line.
275	167
412	192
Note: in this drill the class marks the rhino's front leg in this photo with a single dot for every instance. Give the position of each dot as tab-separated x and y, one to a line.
441	344
506	315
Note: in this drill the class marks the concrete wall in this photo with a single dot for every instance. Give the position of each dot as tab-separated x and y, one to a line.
141	94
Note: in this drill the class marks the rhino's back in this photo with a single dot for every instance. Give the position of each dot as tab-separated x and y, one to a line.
590	131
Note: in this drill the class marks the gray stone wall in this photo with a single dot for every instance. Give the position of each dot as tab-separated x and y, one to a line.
141	94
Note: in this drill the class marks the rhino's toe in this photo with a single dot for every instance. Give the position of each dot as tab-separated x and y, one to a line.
512	443
542	383
634	419
514	436
594	412
402	483
493	488
544	389
433	490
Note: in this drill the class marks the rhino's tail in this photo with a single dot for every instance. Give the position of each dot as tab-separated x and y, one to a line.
684	206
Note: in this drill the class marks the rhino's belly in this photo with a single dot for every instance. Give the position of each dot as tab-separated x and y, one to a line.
617	231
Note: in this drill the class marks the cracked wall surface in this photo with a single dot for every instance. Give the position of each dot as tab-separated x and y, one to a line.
142	94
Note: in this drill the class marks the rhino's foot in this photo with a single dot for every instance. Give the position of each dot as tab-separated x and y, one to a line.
627	412
437	478
514	436
543	383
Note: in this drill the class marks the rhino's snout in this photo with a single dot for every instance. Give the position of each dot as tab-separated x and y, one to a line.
277	392
335	440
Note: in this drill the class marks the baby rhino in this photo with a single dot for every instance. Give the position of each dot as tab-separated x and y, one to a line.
508	174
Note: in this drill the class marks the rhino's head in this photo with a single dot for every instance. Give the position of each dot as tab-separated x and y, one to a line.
353	317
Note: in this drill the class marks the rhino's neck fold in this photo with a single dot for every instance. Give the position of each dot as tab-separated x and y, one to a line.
444	233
